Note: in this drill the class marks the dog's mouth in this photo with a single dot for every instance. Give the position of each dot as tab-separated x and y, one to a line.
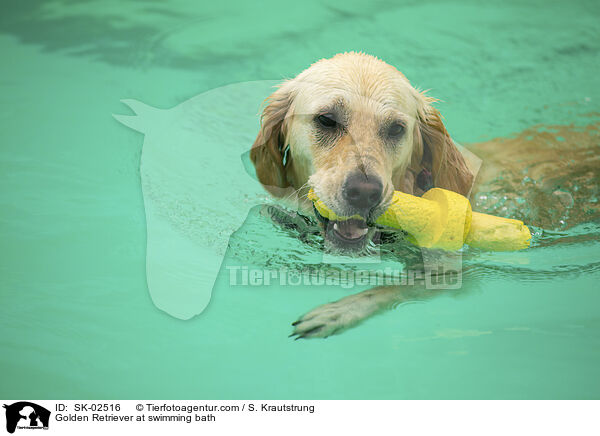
349	234
351	231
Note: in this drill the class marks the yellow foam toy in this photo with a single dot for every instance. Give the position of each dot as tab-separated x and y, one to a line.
444	219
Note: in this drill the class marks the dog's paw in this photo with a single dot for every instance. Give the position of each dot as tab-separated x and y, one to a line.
332	318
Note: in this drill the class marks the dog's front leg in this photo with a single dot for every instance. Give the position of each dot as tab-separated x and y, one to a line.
333	318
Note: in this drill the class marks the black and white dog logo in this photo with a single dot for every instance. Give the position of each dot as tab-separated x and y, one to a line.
26	415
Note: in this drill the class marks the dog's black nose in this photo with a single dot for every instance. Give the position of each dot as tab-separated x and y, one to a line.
362	191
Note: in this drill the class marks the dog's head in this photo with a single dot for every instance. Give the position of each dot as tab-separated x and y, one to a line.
353	129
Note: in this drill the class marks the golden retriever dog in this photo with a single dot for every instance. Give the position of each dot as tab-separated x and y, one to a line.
353	129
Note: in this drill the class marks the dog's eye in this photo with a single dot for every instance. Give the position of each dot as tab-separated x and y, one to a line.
395	130
327	120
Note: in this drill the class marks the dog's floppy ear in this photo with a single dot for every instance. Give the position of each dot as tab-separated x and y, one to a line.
268	153
438	154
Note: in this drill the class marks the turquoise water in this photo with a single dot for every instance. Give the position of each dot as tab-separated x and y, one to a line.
76	317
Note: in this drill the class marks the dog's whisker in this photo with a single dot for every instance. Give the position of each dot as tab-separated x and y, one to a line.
296	193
